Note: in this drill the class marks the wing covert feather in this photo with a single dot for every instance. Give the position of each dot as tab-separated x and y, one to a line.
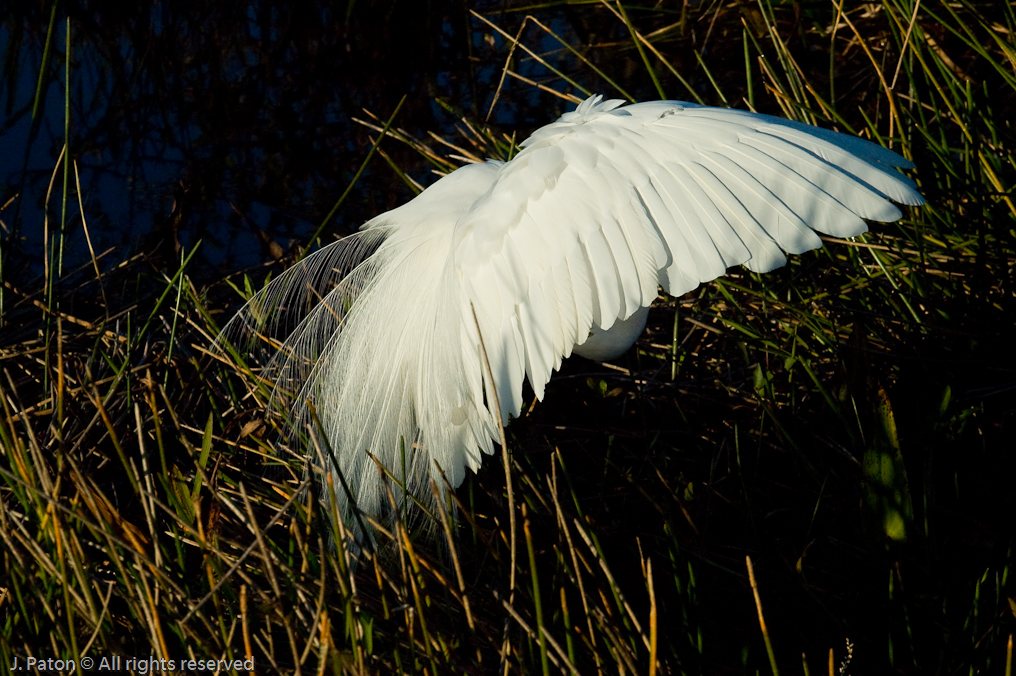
608	202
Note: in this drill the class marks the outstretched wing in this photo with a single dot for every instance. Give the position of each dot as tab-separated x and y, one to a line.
574	234
607	203
365	342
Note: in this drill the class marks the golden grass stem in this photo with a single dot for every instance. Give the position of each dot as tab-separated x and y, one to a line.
615	588
563	526
504	453
454	554
653	618
761	619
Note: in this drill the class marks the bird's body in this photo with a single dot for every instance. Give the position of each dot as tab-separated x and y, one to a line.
560	250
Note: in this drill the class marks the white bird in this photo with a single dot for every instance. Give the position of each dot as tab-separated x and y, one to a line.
560	250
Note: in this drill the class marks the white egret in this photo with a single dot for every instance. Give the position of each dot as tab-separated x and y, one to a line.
560	250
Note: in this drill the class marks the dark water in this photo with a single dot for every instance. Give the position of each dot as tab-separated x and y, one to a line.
230	123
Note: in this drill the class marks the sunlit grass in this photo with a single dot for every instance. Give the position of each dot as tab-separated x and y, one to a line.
845	421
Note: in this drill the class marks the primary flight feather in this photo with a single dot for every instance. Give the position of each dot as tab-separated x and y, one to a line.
560	250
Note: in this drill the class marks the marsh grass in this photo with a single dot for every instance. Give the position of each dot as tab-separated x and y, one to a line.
846	422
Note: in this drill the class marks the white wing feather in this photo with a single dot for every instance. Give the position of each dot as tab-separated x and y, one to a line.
573	236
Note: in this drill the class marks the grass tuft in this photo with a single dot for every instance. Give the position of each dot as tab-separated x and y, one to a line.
844	424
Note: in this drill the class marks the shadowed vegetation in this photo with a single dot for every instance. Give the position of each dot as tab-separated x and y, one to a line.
847	422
